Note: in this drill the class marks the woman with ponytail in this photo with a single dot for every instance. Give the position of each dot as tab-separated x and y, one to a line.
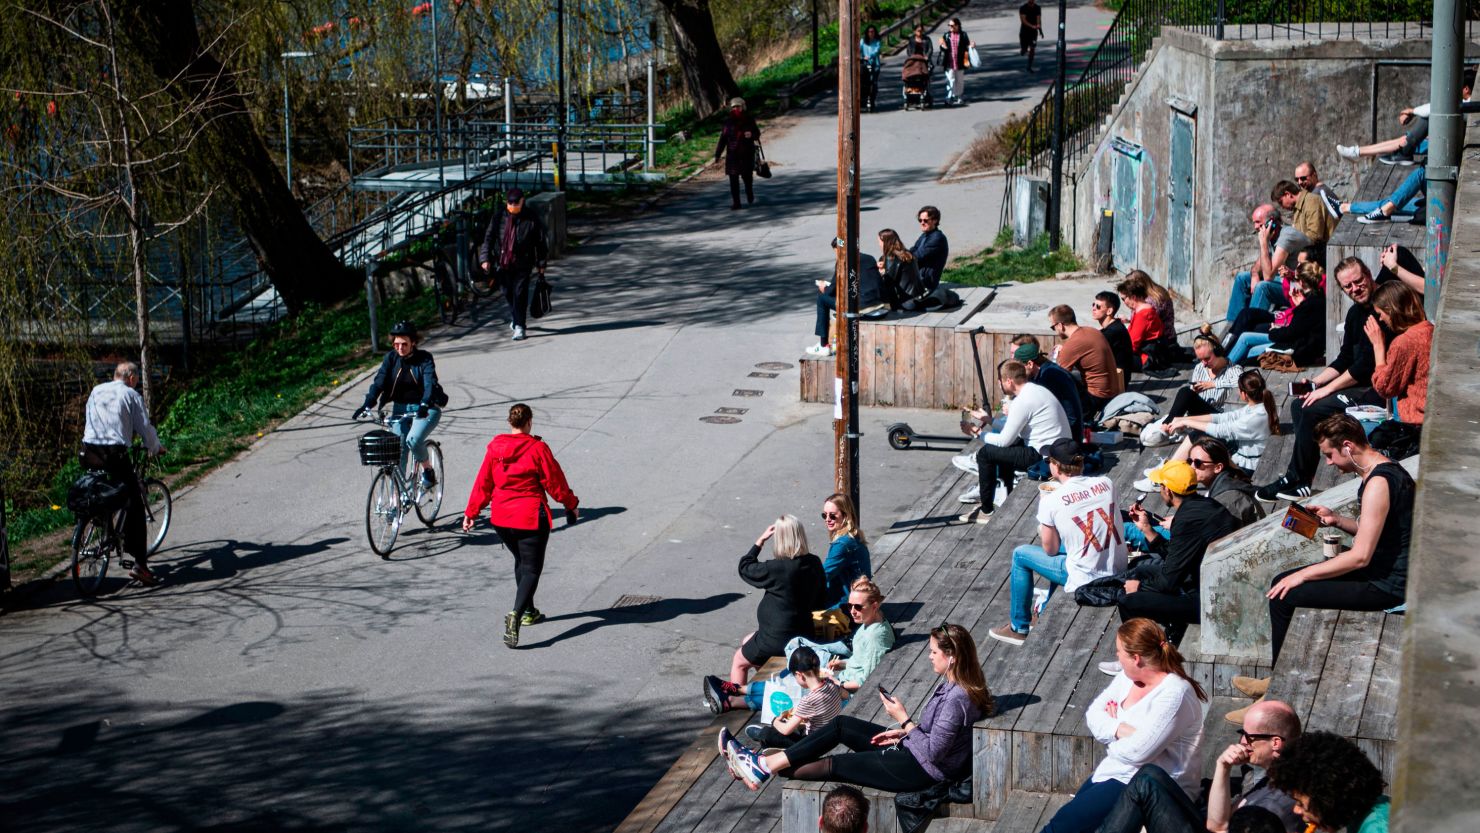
1151	713
1245	430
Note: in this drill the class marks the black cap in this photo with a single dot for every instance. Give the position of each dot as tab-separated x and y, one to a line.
1065	451
515	195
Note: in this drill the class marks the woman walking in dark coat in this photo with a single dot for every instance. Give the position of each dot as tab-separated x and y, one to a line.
795	586
739	138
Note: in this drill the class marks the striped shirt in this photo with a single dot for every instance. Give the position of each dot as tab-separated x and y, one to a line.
820	705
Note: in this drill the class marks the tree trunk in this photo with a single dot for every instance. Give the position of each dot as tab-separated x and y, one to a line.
163	34
705	72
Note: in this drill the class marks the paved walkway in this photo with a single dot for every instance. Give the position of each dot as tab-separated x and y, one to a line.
286	678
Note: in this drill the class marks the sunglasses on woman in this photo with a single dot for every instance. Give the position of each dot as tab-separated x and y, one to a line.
832	516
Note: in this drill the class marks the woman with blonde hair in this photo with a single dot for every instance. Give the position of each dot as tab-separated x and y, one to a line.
1150	714
1402	366
847	554
915	755
794	585
898	270
518	470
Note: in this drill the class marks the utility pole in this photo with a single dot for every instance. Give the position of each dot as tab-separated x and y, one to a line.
1056	195
560	94
845	389
1446	139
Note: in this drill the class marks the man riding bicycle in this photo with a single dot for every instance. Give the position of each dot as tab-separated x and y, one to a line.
407	381
115	416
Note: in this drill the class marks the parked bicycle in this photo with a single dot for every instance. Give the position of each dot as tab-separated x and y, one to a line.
393	495
98	539
454	283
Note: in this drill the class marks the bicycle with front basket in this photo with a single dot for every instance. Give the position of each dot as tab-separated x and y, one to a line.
98	538
393	495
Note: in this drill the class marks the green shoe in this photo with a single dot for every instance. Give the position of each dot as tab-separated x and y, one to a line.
511	630
532	617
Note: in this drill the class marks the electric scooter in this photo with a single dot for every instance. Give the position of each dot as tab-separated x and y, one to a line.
901	436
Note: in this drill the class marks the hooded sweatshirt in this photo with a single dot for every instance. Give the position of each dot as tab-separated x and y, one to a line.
517	471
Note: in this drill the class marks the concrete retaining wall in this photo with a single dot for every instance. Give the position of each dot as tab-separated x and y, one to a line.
1260	108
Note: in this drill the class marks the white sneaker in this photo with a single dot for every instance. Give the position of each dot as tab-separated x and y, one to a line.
1145	485
820	350
1111	668
518	333
972	495
966	462
1348	152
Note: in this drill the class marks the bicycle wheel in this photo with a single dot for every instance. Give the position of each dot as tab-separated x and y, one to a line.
430	502
383	512
92	549
157	506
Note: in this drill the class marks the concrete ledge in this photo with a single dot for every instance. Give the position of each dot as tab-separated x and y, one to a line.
1437	786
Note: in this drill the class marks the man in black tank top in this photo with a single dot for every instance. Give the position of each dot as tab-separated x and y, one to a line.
1030	29
1370	574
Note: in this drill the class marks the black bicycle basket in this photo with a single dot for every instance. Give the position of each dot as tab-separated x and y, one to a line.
380	448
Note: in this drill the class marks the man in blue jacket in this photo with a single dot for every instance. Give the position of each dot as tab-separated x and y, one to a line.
931	251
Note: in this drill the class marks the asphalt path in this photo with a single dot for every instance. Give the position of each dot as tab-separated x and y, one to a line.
285	678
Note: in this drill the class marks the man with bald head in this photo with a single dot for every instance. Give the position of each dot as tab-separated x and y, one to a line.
1279	245
1152	800
115	417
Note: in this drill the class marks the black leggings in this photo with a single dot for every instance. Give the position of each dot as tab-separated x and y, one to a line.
528	547
892	768
1188	403
749	178
1328	594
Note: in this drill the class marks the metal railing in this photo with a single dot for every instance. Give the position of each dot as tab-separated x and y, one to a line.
1092	97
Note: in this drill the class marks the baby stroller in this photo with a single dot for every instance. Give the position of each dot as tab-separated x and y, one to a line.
916	77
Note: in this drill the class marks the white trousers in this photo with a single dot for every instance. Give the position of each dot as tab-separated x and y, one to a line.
955	83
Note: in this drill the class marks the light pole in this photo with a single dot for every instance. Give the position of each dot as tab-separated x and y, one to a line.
437	99
287	115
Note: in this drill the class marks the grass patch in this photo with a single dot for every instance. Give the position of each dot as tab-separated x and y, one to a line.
1003	263
214	416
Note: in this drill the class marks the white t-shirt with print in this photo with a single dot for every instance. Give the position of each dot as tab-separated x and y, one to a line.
1083	511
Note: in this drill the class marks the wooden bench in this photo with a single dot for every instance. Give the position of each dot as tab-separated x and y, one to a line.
1352	238
914	360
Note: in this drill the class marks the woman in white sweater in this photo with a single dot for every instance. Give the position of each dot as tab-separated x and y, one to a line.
1151	713
1245	430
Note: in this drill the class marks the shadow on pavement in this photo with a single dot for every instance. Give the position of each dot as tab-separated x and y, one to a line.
643	614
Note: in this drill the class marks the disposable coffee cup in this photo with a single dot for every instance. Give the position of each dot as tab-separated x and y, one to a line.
1331	544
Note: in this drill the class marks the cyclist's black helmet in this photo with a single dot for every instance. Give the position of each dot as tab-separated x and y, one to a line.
404	328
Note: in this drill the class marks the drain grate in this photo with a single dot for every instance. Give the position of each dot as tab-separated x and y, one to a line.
719	420
630	600
732	411
761	374
748	392
773	366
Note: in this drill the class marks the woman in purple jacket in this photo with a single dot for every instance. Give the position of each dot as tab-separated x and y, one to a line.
909	758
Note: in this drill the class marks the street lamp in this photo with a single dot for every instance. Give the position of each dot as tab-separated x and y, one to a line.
287	118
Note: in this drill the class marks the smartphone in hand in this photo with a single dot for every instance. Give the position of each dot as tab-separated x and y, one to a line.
884	690
1302	387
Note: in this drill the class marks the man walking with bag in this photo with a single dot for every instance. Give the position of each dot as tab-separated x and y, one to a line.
513	247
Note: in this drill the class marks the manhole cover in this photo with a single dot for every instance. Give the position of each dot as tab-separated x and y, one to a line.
631	600
720	420
731	411
774	366
761	374
748	392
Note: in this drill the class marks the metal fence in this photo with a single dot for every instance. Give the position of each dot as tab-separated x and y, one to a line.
1091	97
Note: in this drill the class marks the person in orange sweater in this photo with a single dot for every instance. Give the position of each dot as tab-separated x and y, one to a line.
1402	367
517	472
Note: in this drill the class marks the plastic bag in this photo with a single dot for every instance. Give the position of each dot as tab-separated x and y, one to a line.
973	57
780	693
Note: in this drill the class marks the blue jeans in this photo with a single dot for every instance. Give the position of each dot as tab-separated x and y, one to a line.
1407	199
415	437
1027	560
838	649
1248	346
1091	804
1136	539
1267	295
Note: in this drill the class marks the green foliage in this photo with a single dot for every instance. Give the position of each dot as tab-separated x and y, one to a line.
1001	263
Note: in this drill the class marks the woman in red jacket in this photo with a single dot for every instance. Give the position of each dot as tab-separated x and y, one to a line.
517	472
1146	325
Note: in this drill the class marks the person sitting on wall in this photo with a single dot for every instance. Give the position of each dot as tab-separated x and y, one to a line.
1218	476
1346	382
1035	420
1403	149
1299	330
1310	182
1104	312
1043	371
1155	803
1308	214
1145	327
870	297
1087	354
1206	392
931	251
1278	245
1401	369
822	700
1079	537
